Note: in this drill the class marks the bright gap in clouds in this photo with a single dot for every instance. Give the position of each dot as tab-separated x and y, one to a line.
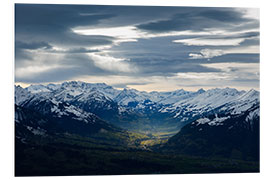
206	53
236	67
111	63
253	13
210	53
210	42
124	32
131	33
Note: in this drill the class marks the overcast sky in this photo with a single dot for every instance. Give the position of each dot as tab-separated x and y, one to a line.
146	48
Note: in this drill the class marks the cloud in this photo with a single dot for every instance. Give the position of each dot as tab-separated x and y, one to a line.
210	42
229	67
230	39
224	15
238	75
32	45
211	53
122	32
53	23
139	46
235	58
253	13
197	20
54	67
129	84
112	64
23	49
160	67
74	50
206	53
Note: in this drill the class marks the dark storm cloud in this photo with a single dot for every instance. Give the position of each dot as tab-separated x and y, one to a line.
152	53
82	50
251	42
222	15
160	48
32	45
237	58
166	59
53	23
46	26
158	67
196	20
54	18
251	34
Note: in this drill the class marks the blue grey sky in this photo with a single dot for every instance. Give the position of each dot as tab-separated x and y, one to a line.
143	47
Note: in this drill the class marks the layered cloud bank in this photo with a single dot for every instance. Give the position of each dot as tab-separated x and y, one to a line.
148	48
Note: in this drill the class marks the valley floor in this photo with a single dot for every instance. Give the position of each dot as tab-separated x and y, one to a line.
73	155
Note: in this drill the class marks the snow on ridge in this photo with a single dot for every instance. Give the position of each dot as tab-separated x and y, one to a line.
36	131
78	87
57	111
210	99
250	95
186	101
75	88
253	114
38	88
243	102
177	114
217	121
202	121
130	95
204	101
78	113
21	95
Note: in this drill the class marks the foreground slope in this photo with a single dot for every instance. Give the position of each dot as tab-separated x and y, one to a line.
225	132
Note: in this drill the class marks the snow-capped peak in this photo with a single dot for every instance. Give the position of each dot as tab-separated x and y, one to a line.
37	88
21	95
179	103
200	91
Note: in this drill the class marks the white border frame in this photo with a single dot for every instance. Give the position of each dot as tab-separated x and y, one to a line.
7	80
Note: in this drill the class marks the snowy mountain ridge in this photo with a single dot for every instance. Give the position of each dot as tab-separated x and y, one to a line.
176	101
108	103
177	97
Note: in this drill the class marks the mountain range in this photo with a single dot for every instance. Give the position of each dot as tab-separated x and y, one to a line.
220	122
128	107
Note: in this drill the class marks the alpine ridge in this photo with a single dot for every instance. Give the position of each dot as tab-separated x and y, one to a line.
95	118
128	107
